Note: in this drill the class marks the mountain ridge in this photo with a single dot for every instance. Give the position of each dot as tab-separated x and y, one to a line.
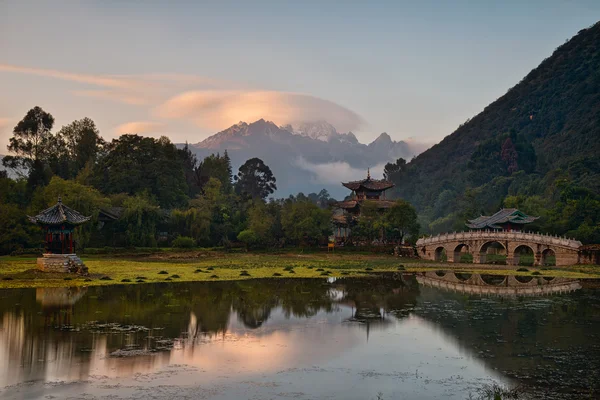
544	130
304	157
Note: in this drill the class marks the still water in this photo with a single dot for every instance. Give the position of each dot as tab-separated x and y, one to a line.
407	336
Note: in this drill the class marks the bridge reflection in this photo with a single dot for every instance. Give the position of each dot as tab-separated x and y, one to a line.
497	285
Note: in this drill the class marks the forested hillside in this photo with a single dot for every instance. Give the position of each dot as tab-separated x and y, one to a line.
536	148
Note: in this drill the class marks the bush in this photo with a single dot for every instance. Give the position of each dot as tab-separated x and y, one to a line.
184	242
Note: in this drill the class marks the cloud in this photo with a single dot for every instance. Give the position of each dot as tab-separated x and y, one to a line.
116	96
213	104
336	172
138	127
215	110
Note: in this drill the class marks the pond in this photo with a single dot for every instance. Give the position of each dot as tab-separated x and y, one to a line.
409	336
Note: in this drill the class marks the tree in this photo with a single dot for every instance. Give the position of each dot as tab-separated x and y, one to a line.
392	169
370	223
215	166
81	144
401	221
255	179
29	144
133	164
304	222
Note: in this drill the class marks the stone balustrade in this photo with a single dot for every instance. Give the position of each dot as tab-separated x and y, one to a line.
498	235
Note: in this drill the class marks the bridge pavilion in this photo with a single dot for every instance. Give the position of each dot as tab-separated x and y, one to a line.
507	219
366	190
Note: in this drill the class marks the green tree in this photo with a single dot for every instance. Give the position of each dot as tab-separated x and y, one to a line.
133	164
28	145
81	144
305	223
140	219
401	221
255	179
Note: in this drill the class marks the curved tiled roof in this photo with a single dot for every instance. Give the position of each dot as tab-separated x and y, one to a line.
369	184
59	214
353	203
510	215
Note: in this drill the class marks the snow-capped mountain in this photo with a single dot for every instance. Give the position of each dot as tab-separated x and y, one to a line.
305	156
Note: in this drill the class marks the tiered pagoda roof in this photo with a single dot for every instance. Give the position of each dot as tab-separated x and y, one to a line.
504	216
59	214
350	204
369	184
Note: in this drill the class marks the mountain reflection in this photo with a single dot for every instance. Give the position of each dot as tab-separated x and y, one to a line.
114	331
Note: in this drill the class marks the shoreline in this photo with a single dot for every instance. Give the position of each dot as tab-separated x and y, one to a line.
21	272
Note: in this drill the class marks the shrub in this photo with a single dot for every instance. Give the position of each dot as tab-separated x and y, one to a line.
163	273
175	276
68	278
214	276
184	242
368	269
276	274
536	273
125	280
244	273
523	270
106	278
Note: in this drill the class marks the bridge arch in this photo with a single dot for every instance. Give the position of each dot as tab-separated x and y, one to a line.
440	254
493	280
524	255
462	276
492	252
462	254
548	257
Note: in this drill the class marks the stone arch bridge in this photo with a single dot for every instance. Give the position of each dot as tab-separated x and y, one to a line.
480	244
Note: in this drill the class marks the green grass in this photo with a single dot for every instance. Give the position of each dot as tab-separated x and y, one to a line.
18	272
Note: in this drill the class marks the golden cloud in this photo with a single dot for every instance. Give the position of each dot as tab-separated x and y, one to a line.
138	127
218	109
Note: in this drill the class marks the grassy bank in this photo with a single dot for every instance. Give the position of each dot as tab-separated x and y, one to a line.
214	265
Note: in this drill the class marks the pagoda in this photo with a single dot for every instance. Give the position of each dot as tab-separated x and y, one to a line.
58	223
371	190
507	219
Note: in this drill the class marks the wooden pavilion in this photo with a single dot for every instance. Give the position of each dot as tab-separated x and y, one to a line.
366	190
58	223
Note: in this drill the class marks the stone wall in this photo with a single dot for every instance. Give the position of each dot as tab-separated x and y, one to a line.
64	263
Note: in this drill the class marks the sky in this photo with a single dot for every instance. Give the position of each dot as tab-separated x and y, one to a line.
413	69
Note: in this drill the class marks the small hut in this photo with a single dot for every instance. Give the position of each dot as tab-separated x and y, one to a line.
58	223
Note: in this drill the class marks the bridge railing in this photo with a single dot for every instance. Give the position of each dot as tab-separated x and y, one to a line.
501	235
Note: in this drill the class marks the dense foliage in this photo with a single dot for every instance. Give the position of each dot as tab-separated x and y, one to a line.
146	192
537	147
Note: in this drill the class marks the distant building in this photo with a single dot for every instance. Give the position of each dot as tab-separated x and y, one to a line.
371	190
507	219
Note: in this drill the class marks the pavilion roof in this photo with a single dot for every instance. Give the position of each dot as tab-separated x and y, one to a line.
350	204
506	215
59	214
369	184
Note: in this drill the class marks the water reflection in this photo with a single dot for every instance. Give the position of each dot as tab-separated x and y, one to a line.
249	328
498	285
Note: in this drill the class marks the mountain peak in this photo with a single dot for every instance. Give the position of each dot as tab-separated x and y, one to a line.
319	130
384	138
